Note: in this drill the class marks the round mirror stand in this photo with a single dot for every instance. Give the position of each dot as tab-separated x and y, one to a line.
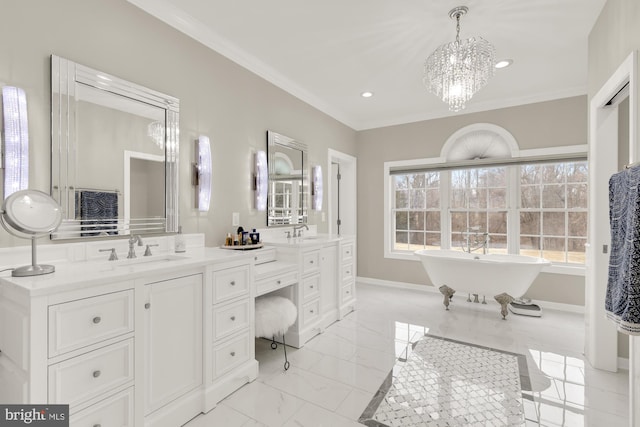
30	214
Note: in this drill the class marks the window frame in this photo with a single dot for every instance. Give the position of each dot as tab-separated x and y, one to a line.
558	154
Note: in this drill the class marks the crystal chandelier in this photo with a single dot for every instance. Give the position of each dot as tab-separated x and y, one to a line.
456	71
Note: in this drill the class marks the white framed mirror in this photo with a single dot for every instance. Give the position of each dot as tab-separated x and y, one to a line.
114	157
287	200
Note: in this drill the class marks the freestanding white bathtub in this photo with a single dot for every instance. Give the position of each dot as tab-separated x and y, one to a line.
501	276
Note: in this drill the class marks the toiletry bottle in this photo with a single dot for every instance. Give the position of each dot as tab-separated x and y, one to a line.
179	239
228	241
240	232
255	237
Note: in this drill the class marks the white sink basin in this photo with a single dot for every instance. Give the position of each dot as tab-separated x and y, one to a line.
148	260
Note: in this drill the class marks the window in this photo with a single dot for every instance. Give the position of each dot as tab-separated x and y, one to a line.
553	211
531	209
416	211
479	199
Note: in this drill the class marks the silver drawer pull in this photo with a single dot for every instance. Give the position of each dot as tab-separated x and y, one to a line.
233	354
97	425
233	283
96	374
311	286
348	292
348	272
311	311
147	305
311	262
233	318
278	282
255	258
97	319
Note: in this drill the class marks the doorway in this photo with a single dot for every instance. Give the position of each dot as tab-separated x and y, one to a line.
341	193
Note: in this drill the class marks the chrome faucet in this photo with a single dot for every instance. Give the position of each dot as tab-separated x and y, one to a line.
474	241
132	241
299	228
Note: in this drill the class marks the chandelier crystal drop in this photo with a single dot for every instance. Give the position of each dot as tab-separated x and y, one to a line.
456	71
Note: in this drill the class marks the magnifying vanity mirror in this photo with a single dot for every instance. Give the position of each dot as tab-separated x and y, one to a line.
288	180
114	157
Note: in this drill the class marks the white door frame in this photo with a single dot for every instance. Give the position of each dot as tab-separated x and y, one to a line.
601	338
348	192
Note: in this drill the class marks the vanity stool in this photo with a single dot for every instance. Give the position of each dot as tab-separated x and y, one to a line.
274	316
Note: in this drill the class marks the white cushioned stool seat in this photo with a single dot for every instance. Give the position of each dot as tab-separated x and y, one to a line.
274	316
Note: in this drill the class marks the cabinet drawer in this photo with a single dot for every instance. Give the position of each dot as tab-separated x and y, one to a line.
269	284
310	312
348	292
230	283
77	324
231	354
264	255
347	272
84	377
347	251
310	262
231	318
310	286
116	410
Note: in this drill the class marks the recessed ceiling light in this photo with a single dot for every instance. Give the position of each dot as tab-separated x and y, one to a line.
503	63
366	94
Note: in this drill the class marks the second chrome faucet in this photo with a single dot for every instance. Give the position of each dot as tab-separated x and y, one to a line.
135	238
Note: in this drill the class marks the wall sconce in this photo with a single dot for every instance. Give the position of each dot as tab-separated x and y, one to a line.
16	140
316	188
202	173
260	180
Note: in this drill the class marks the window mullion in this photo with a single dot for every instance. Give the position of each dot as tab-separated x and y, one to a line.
445	208
513	210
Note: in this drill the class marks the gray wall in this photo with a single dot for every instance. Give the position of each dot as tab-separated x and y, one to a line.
218	98
548	124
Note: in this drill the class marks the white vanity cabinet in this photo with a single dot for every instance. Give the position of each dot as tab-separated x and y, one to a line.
229	330
347	276
172	339
329	287
130	344
326	289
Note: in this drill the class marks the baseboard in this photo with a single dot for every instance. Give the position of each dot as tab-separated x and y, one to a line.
550	305
623	364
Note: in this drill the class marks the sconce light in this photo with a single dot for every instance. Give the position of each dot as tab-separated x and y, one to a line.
316	188
202	173
260	180
16	140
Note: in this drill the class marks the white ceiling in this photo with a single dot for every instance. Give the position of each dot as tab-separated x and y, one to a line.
328	52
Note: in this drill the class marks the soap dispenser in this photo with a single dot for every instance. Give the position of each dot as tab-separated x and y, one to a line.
180	245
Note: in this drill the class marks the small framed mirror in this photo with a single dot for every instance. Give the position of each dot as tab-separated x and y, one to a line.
114	157
288	180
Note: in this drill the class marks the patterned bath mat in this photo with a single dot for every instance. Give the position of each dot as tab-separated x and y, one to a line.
449	383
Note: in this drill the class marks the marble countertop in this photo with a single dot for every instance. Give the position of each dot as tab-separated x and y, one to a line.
80	274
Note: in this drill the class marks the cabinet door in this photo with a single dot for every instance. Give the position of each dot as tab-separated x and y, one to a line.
328	285
173	339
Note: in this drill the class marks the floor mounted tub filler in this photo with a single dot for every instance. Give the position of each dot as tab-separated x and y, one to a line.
503	276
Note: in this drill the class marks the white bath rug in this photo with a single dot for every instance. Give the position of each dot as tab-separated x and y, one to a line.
449	383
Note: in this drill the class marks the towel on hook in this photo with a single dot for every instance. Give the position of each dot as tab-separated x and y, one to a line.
622	303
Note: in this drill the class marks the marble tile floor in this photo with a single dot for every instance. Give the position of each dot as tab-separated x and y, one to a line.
335	376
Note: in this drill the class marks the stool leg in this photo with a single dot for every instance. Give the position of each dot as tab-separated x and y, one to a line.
274	345
286	362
